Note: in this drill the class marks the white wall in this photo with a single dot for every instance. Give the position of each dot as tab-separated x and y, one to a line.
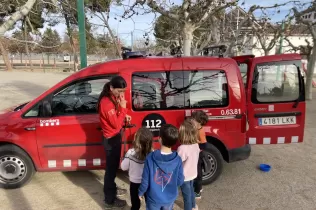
295	40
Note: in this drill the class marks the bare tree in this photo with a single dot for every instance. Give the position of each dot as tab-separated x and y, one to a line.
5	56
312	58
101	9
190	15
10	14
267	35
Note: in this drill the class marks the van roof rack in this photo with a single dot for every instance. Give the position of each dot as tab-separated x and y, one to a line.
217	50
127	53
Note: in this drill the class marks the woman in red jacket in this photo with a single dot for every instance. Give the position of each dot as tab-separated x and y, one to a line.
112	112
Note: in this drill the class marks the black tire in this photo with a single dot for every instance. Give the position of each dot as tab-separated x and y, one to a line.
16	167
212	164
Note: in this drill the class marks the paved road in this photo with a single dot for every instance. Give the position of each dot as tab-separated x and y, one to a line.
290	185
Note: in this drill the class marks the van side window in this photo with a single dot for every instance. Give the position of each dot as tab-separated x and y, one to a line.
157	90
78	98
204	89
275	82
33	112
179	90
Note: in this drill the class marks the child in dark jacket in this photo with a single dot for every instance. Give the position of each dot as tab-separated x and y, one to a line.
200	118
163	173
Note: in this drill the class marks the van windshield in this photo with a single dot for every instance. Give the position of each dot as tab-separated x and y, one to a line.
276	82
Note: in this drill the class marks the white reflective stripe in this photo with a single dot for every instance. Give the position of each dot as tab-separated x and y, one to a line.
96	162
294	139
281	140
52	164
252	140
67	163
221	117
268	140
81	162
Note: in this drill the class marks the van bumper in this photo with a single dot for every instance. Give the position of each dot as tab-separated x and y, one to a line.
241	153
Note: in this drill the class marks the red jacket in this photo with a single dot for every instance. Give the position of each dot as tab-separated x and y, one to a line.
111	120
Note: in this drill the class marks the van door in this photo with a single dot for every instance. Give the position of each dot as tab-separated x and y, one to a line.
275	100
244	62
157	96
71	137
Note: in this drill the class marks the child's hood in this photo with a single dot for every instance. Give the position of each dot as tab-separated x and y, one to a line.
166	163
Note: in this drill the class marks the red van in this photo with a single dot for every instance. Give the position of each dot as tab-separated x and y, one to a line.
60	130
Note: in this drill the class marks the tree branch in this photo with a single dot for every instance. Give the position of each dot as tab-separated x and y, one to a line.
18	15
32	42
154	6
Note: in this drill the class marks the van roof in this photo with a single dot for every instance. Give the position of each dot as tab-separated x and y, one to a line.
154	63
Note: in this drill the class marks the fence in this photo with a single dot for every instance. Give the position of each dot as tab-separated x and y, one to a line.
48	61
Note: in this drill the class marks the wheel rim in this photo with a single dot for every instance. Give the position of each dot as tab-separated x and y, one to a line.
12	169
209	165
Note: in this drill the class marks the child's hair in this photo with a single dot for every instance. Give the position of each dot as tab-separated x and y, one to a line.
169	135
143	143
200	116
188	134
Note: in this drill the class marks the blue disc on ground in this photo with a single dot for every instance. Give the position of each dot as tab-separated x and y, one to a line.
265	167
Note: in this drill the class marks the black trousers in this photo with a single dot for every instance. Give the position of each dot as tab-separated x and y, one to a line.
112	148
133	189
198	179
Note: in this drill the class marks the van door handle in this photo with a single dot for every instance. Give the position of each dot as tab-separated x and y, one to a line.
99	128
30	129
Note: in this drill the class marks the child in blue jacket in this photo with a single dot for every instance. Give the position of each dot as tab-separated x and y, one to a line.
163	173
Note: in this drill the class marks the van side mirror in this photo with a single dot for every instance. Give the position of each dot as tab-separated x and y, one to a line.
46	110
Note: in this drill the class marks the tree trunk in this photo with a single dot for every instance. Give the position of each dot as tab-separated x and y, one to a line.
266	52
18	15
114	40
310	73
188	30
72	44
26	46
5	56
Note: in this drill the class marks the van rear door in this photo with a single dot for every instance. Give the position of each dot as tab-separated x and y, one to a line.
275	100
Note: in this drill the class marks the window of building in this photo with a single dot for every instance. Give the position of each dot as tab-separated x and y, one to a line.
275	82
78	98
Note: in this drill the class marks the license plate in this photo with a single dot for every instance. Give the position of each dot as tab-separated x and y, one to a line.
277	121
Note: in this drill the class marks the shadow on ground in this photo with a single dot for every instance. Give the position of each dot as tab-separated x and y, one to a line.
88	181
17	199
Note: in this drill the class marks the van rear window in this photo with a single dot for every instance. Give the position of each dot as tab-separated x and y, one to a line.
276	82
179	90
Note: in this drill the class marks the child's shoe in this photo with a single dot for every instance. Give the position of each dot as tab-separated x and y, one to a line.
198	196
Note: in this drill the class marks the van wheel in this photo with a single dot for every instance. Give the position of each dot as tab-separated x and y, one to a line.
212	164
16	167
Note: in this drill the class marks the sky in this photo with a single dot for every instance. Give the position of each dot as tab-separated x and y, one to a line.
140	24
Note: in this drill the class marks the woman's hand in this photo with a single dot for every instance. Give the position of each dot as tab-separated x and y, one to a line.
128	118
122	101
